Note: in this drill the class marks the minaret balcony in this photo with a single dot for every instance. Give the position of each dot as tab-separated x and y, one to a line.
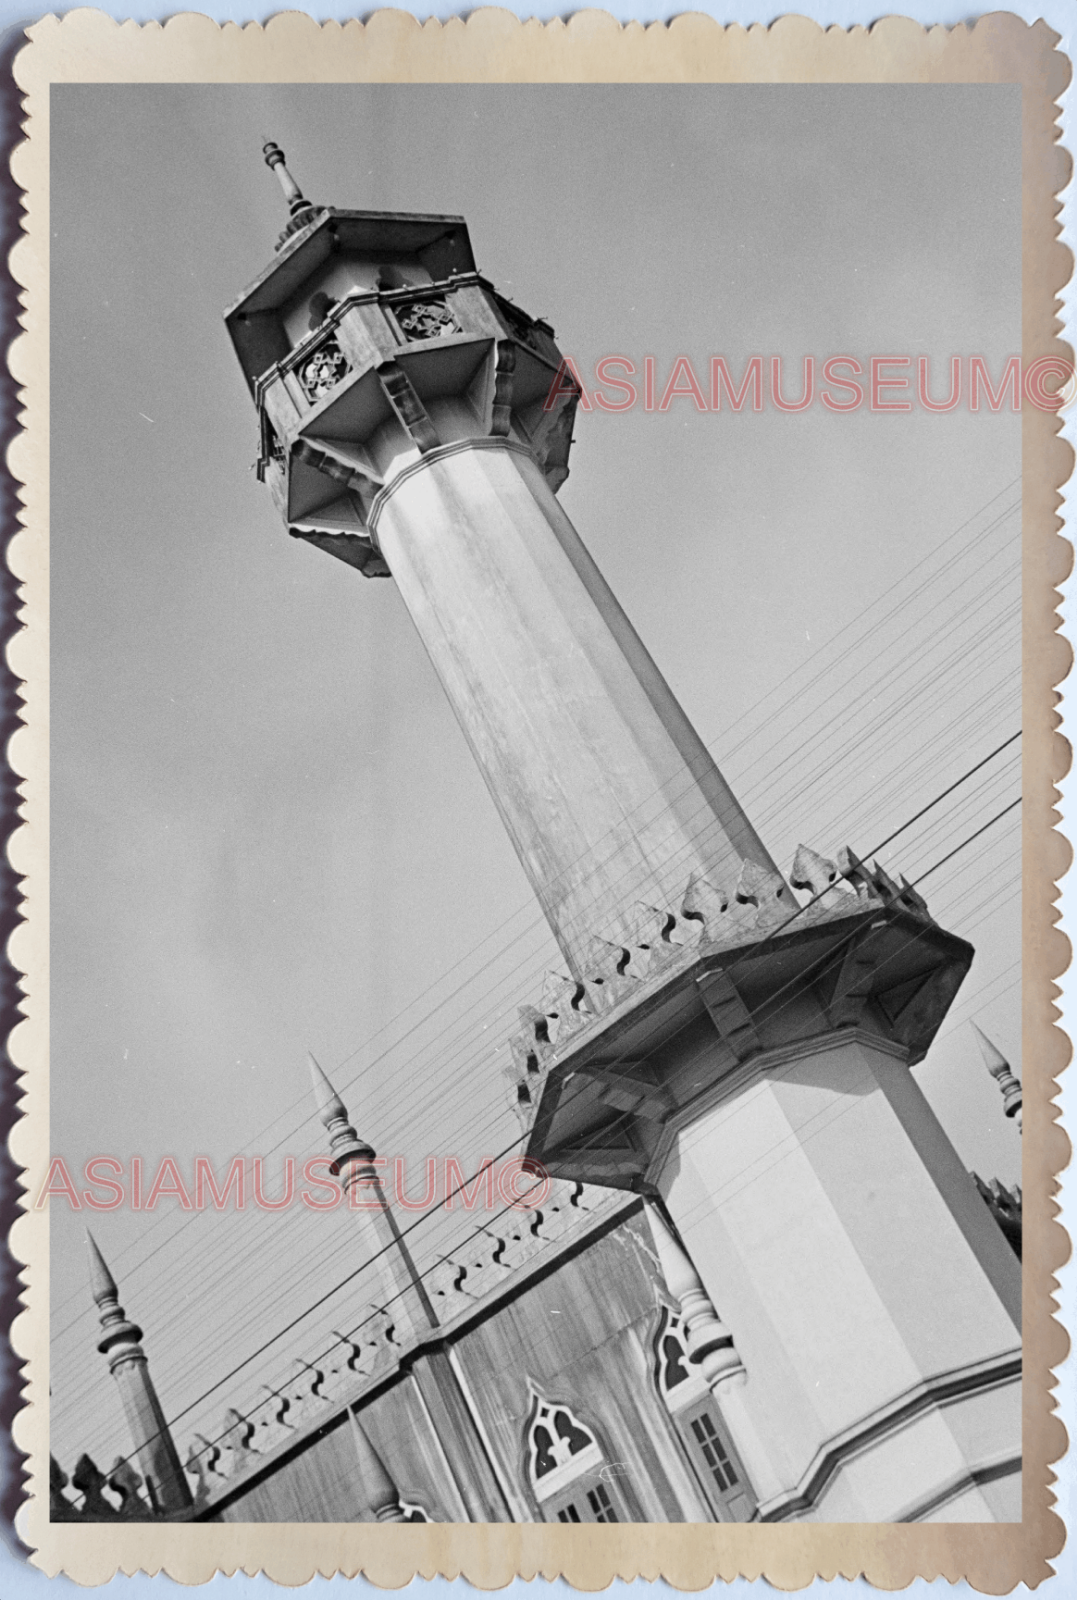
655	1030
389	374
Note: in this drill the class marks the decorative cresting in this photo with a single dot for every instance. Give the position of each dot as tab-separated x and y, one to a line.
100	1497
490	1263
495	1256
710	1345
166	1486
1006	1206
706	925
999	1068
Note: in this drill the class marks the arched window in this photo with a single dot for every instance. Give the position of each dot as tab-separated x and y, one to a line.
569	1474
699	1422
679	1380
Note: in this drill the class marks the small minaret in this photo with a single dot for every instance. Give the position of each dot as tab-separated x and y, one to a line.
710	1344
381	1492
166	1482
999	1068
352	1162
404	1295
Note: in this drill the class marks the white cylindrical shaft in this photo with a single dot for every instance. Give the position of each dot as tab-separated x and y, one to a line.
608	794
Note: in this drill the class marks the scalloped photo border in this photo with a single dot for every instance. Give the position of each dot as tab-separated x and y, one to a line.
493	46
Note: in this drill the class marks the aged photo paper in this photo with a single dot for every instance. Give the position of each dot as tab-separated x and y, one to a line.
539	548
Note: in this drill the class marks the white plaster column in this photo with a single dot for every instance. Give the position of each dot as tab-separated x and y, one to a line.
873	1301
608	794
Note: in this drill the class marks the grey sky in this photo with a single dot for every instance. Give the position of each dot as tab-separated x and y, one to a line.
268	834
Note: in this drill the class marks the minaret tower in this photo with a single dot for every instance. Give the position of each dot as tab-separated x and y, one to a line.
738	1053
398	1287
166	1482
412	423
353	1164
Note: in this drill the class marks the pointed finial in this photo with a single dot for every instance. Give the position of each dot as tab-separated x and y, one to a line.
999	1068
102	1283
344	1142
119	1338
678	1271
331	1107
382	1494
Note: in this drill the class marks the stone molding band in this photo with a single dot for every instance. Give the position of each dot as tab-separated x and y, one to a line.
937	1391
440	453
961	1483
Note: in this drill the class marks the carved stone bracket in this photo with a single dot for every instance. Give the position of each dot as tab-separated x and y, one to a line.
853	988
730	1015
641	1095
504	372
325	461
409	409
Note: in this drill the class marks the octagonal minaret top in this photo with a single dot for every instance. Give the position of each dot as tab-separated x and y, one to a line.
372	335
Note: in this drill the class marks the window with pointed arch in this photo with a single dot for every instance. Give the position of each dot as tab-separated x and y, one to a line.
569	1474
699	1423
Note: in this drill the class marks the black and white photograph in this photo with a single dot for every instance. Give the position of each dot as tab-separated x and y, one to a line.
535	794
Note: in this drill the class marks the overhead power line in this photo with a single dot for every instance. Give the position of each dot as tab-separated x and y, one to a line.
922	812
420	1221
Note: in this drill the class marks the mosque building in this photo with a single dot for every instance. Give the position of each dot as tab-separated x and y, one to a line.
761	1285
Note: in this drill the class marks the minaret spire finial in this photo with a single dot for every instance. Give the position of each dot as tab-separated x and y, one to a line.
999	1068
102	1283
115	1328
119	1340
300	210
353	1161
333	1113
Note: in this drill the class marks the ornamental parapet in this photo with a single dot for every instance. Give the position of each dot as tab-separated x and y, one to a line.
595	1068
468	1281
